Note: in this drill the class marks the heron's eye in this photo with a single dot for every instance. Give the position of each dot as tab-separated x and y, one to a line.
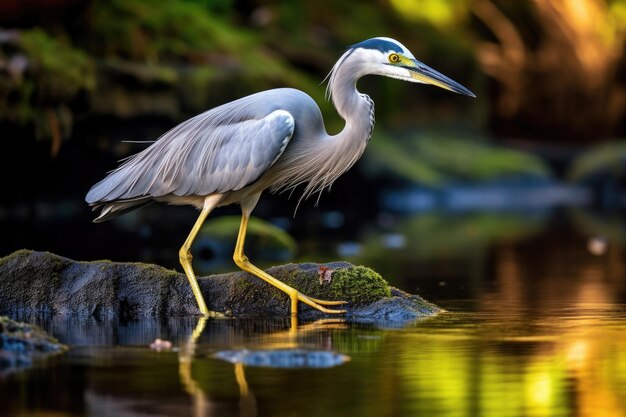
393	58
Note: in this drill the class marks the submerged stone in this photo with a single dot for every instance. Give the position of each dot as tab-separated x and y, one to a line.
44	283
284	358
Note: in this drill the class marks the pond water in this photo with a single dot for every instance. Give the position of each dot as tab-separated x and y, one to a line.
535	326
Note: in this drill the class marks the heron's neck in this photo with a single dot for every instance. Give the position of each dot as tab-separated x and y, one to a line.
355	108
322	159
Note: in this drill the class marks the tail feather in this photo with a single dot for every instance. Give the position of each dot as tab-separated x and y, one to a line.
116	208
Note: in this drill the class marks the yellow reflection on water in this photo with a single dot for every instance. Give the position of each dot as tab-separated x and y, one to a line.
548	346
548	340
576	371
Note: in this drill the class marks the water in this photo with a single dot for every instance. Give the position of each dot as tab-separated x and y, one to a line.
503	360
535	326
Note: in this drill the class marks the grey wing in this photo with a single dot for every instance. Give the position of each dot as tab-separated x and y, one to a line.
200	157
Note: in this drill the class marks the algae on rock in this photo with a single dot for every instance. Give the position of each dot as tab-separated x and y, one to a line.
44	283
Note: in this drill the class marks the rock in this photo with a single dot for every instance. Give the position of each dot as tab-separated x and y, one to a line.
44	283
20	343
284	358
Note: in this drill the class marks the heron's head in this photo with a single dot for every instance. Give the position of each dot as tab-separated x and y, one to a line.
388	57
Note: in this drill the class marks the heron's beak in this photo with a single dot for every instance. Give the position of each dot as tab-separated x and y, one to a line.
423	73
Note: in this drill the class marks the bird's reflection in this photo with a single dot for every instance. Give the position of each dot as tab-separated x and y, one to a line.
201	405
247	401
282	341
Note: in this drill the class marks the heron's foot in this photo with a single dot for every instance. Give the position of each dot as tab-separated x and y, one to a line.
327	302
315	303
242	261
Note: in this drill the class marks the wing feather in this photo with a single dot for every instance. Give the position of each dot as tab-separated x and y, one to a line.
210	153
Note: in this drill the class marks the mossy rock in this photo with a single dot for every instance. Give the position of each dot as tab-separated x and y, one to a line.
45	283
20	343
371	286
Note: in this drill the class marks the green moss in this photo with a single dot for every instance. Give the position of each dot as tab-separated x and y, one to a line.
242	286
602	160
155	270
17	254
357	285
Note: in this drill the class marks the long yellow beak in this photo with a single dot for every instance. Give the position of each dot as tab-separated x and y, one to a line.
424	74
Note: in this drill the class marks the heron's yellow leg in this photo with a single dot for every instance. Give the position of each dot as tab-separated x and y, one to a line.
327	302
241	380
242	261
200	402
185	251
247	402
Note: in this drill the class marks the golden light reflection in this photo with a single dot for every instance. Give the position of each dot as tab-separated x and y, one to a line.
539	395
577	372
201	404
576	345
577	354
547	339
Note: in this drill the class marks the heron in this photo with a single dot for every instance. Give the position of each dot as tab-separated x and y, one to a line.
274	139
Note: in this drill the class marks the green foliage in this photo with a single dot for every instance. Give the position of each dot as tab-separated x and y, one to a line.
142	30
176	58
436	239
390	157
183	31
59	70
438	12
431	234
213	60
607	158
434	158
266	244
54	74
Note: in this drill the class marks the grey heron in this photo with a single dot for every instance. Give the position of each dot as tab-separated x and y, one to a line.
274	139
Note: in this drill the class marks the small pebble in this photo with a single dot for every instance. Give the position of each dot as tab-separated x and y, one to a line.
160	345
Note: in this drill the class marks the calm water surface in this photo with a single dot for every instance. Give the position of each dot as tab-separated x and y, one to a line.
514	361
534	327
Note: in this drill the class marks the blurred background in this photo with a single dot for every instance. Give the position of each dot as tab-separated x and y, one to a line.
454	197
